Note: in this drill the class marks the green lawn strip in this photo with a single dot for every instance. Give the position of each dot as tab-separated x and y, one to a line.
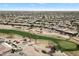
66	45
61	44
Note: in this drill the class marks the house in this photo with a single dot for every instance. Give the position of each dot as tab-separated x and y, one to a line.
4	47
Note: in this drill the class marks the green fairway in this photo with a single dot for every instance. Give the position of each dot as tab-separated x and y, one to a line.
67	45
61	44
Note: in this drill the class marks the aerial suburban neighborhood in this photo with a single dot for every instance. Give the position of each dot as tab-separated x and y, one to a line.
39	33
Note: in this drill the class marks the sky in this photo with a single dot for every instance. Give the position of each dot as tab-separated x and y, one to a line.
39	6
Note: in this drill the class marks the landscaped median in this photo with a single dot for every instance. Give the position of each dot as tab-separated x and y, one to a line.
61	44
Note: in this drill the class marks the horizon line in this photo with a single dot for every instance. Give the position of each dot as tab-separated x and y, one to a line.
41	10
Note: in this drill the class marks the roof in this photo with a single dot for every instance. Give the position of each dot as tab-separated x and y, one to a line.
66	30
4	47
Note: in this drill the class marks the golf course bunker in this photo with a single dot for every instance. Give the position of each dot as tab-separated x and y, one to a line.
61	44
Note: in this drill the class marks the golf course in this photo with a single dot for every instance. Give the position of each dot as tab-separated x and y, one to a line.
63	45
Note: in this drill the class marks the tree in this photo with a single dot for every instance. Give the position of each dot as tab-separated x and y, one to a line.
31	26
78	28
36	41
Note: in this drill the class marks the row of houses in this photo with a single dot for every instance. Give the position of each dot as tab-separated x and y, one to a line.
41	19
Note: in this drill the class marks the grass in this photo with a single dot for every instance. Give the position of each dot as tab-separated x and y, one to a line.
67	45
61	44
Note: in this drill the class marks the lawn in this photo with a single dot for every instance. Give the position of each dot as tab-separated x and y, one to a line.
67	45
61	44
